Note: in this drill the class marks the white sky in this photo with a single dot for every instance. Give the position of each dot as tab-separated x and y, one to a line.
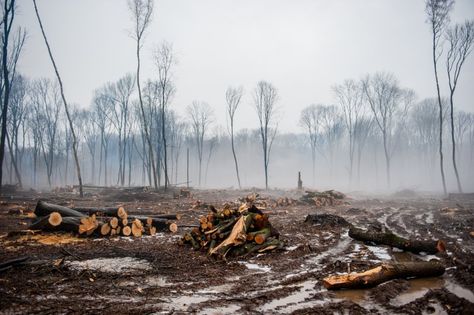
303	47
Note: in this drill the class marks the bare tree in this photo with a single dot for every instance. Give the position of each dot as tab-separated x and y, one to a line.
438	18
265	98
101	110
462	120
47	107
164	60
9	61
142	11
16	120
460	41
310	120
232	97
200	115
349	96
332	128
389	104
71	125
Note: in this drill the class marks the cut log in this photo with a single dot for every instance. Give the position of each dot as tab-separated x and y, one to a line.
383	273
88	225
127	230
103	211
105	229
114	222
68	224
390	239
55	218
137	228
44	208
158	223
173	228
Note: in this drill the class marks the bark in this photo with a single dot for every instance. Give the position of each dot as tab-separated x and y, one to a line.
68	224
44	208
383	273
390	239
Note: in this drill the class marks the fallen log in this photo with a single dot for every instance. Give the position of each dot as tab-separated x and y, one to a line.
44	208
158	223
103	211
390	239
84	225
383	273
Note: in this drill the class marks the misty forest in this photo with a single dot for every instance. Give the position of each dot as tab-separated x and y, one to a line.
330	201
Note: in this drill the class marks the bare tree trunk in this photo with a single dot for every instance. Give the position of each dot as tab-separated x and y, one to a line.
8	13
14	162
453	142
233	153
74	139
441	159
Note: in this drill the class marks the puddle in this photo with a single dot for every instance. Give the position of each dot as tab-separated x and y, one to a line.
220	310
120	265
419	287
306	291
257	267
458	290
356	296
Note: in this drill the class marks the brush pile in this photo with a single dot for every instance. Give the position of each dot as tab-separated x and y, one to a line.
233	232
324	198
99	222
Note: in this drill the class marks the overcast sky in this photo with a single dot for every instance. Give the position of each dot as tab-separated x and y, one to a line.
303	47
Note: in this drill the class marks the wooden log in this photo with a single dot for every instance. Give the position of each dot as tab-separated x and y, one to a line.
44	208
118	212
114	222
105	229
137	228
383	273
158	223
68	224
126	230
390	239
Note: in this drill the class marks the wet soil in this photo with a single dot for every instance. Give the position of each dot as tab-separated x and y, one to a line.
155	275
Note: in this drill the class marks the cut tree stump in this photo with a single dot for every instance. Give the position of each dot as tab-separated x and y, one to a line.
390	239
44	208
383	273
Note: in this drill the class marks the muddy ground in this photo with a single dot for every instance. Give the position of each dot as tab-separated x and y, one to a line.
153	274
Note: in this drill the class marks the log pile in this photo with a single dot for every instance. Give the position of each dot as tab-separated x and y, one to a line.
324	198
233	232
99	222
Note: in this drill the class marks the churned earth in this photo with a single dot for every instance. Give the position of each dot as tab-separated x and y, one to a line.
155	275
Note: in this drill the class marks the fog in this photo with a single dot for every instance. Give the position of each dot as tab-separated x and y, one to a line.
302	50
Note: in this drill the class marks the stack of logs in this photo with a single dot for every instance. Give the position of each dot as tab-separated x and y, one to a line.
323	199
107	221
233	232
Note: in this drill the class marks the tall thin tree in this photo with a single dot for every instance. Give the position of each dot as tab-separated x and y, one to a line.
9	61
265	98
460	41
66	108
438	18
232	97
142	11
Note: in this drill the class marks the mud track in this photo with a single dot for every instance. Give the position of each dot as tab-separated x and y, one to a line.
155	275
